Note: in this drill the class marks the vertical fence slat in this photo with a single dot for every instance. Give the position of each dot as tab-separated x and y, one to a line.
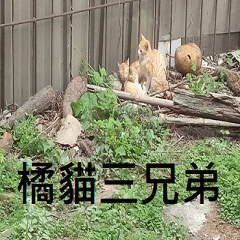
123	12
71	33
22	51
58	76
139	20
2	54
186	10
8	84
106	25
215	28
170	52
51	47
34	43
201	19
158	21
155	24
80	36
89	27
229	23
101	27
13	74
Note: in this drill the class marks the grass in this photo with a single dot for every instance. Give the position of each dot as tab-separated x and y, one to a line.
122	135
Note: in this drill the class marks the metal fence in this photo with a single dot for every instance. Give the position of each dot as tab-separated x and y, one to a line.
42	42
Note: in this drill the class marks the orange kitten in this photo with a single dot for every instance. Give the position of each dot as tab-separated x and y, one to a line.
123	71
132	85
152	67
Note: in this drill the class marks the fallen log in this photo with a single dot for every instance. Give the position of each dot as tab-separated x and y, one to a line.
214	106
38	103
199	122
133	97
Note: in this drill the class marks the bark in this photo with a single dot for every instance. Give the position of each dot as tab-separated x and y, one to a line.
38	103
214	106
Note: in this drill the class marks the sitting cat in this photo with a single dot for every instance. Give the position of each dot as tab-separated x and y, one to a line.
132	85
129	76
152	67
123	71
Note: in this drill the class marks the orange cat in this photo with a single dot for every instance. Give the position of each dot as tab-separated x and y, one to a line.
132	85
129	76
152	67
123	71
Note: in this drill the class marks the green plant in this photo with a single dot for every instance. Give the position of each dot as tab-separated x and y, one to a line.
95	106
236	54
193	67
37	223
100	78
26	136
33	142
229	62
9	178
223	76
205	83
3	129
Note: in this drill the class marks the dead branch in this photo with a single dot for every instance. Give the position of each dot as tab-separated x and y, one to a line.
199	122
137	98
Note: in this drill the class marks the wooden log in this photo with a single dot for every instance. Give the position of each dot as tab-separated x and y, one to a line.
75	89
199	122
37	103
137	98
214	106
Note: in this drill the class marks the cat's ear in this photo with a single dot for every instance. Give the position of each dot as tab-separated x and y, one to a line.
146	46
118	64
143	38
127	62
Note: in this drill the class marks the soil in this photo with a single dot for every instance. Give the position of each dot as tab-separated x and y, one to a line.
215	229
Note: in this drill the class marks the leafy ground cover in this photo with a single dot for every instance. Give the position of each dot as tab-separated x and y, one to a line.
122	134
205	82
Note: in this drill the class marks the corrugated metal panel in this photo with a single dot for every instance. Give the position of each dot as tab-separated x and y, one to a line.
43	50
2	49
114	36
57	51
80	35
22	51
8	77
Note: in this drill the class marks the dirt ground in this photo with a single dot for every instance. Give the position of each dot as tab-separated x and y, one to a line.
215	229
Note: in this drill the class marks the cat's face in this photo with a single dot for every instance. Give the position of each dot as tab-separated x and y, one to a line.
123	71
144	48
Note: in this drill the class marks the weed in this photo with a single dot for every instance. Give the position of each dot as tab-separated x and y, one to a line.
3	129
205	83
229	62
33	142
38	224
100	78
